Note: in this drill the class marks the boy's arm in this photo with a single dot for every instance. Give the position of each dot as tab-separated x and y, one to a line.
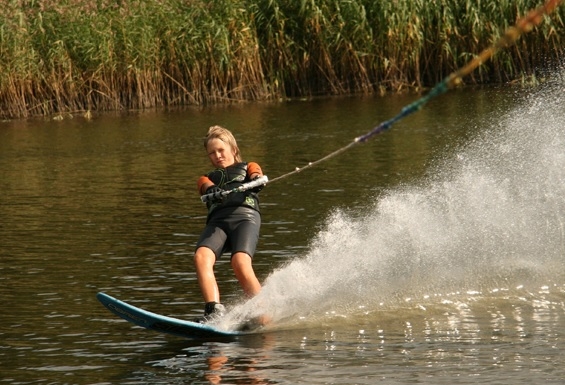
203	184
254	170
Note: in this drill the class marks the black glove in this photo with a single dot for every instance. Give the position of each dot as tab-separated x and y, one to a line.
214	190
258	188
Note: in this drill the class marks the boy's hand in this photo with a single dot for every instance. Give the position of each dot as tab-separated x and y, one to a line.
258	188
214	190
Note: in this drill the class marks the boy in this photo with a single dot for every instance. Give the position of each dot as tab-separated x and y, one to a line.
233	222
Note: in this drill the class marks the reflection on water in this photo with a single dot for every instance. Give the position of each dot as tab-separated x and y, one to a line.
432	254
216	363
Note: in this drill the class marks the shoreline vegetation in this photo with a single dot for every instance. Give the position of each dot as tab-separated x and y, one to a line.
59	56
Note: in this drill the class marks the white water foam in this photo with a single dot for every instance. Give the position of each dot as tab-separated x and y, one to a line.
492	216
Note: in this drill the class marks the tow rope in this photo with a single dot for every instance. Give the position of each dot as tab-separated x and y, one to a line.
511	35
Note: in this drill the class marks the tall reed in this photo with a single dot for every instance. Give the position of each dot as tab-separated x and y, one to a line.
92	55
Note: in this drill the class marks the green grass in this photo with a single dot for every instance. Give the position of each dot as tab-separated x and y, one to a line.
93	55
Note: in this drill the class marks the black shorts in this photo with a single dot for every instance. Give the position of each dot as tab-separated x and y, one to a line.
232	229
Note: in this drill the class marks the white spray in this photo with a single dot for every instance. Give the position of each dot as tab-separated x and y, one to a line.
492	215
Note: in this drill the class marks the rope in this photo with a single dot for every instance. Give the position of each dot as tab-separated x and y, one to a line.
511	35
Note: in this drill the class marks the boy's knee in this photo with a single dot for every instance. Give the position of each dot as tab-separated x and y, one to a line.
240	261
204	256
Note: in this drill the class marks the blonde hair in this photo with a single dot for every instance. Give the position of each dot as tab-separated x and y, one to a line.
219	132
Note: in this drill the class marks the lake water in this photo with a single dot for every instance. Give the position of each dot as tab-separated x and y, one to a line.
432	254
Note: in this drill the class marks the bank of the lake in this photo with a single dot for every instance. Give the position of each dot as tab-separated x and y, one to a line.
88	55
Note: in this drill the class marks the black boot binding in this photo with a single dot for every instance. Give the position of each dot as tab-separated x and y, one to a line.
212	311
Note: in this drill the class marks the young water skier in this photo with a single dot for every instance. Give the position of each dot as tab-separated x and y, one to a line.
233	221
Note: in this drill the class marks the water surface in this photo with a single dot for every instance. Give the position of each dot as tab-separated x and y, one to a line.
431	254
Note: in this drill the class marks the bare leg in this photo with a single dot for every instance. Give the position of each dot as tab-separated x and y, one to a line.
241	265
204	259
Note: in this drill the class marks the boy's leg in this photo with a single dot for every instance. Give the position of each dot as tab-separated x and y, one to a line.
204	260
241	265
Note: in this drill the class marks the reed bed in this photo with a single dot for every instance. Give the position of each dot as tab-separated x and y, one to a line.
61	56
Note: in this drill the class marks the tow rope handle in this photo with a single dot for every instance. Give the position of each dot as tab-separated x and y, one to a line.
244	187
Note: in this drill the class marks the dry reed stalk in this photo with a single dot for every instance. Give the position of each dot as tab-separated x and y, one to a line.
82	55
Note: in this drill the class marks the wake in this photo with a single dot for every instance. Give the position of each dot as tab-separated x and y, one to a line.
491	216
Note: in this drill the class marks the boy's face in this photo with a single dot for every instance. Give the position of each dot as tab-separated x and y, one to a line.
221	154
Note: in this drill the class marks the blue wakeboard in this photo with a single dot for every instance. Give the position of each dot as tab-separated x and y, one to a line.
164	324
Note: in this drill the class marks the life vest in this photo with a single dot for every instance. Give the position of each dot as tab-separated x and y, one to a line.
229	178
